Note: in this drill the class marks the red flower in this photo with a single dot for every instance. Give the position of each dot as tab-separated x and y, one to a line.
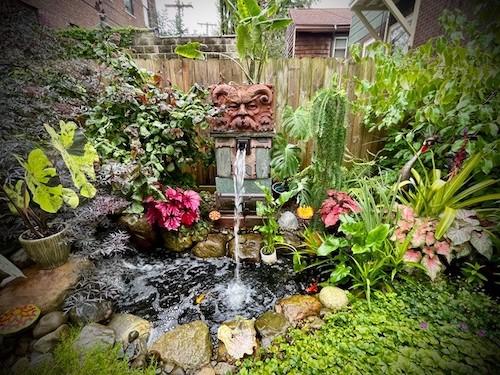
189	218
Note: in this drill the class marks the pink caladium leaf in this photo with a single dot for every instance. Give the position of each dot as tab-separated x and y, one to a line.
412	256
432	265
444	248
335	205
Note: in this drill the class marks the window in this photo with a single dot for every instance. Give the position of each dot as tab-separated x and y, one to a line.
340	47
146	12
129	6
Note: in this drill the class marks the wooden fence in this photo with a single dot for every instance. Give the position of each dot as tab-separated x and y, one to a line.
295	82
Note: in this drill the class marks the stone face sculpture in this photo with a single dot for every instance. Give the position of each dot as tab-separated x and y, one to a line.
243	108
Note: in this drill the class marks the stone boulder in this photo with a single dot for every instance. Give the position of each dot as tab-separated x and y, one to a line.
224	368
143	234
213	247
91	312
188	346
48	342
298	307
43	288
239	337
333	298
94	335
175	241
48	323
271	325
125	324
250	245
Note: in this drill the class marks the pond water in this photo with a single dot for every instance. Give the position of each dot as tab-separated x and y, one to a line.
169	289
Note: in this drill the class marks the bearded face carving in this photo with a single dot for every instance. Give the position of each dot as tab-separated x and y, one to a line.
243	107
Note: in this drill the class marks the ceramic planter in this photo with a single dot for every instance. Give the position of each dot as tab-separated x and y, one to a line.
268	258
48	252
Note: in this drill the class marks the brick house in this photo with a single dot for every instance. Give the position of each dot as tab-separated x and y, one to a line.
318	32
405	23
87	13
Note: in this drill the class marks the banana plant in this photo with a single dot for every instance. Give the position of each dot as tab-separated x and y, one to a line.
255	25
435	197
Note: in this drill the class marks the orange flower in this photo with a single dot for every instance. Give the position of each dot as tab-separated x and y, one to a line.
305	212
214	215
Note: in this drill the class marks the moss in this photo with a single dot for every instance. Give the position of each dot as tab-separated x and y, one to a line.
417	329
97	361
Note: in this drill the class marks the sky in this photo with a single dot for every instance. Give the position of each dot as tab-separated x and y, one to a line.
205	11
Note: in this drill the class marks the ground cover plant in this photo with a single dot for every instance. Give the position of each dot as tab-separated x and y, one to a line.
418	328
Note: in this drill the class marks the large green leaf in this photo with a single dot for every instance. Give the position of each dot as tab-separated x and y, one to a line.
49	198
244	42
377	235
446	220
190	50
339	273
329	245
248	8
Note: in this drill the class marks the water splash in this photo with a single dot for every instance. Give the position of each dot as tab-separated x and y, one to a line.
237	292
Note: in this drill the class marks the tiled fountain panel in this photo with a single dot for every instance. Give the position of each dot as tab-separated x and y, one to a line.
246	115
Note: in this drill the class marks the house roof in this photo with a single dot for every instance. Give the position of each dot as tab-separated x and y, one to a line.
321	19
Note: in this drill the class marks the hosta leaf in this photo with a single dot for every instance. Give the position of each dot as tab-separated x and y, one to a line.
339	273
482	243
377	235
329	245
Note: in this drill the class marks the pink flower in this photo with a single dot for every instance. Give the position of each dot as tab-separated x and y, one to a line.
189	218
191	200
412	256
173	195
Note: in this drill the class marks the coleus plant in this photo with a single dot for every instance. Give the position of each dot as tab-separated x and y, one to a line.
180	208
337	203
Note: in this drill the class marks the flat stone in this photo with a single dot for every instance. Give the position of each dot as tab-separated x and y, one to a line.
39	358
125	324
48	323
143	234
239	337
333	298
271	325
298	307
177	242
43	288
91	312
224	368
188	345
48	342
21	366
93	335
206	371
213	247
313	322
250	245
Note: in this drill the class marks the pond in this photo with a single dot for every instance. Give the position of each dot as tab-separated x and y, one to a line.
168	288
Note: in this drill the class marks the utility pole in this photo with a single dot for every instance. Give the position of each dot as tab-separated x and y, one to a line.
179	26
207	25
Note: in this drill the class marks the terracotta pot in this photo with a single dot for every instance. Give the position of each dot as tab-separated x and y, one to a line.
48	252
268	258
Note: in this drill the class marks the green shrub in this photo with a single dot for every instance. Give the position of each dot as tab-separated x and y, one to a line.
417	329
97	361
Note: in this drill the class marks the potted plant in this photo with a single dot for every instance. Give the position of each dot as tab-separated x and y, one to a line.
269	229
47	244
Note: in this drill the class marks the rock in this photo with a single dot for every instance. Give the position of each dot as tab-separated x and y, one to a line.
169	367
239	337
21	366
48	323
250	245
21	259
22	346
175	241
288	221
333	298
39	358
271	325
313	322
43	288
48	342
143	234
206	371
93	335
91	312
139	361
224	368
298	307
187	345
125	325
177	371
213	247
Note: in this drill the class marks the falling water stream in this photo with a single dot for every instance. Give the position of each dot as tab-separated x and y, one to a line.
237	293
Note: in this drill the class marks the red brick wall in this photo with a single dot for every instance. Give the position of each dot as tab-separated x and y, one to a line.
313	44
428	19
62	13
